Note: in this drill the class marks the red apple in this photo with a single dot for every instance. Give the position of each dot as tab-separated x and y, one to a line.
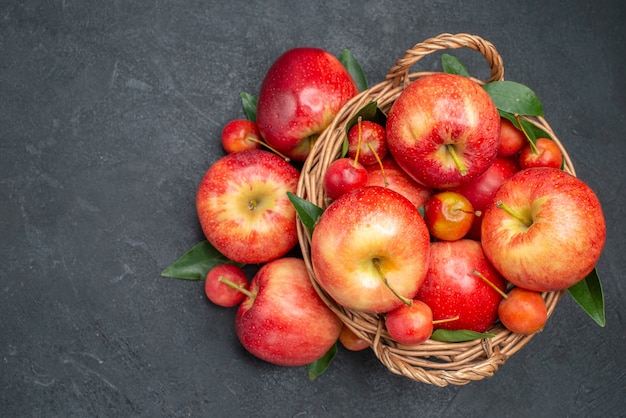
390	175
523	311
410	324
481	190
545	229
369	250
448	215
239	135
285	322
342	176
244	209
300	95
223	285
454	286
444	130
367	142
544	153
512	140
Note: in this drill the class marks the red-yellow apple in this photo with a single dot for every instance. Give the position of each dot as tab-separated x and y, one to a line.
543	153
223	285
444	130
481	190
454	286
351	341
512	140
369	250
285	322
342	176
410	324
239	135
544	230
523	311
448	215
300	95
367	142
244	209
389	174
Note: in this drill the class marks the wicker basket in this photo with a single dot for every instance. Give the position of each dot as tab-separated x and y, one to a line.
431	362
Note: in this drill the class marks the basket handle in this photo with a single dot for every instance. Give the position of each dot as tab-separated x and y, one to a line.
399	73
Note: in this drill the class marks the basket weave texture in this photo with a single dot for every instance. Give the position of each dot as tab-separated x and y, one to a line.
431	362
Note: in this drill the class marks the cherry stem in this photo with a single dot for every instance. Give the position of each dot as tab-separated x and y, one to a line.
533	147
236	286
380	163
358	144
379	269
441	321
501	205
457	161
265	144
493	286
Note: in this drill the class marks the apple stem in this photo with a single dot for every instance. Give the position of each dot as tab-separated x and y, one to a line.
441	321
236	286
533	147
380	163
358	142
265	144
501	205
493	286
457	161
379	269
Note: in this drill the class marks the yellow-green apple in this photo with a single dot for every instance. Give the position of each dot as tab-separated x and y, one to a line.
523	311
369	250
444	130
367	142
543	153
224	283
301	93
284	321
410	324
244	209
389	174
481	190
544	230
448	215
342	176
459	284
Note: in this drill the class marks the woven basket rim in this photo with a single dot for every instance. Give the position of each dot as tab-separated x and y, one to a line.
431	362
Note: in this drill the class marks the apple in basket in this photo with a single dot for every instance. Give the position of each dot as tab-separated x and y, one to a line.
283	320
444	130
544	230
458	286
244	209
369	250
300	95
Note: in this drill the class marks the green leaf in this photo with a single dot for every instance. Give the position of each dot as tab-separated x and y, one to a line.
308	212
514	98
588	294
196	262
457	336
249	102
354	68
452	65
370	112
318	367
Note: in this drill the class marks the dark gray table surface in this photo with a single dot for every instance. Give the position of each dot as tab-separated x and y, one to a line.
110	113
